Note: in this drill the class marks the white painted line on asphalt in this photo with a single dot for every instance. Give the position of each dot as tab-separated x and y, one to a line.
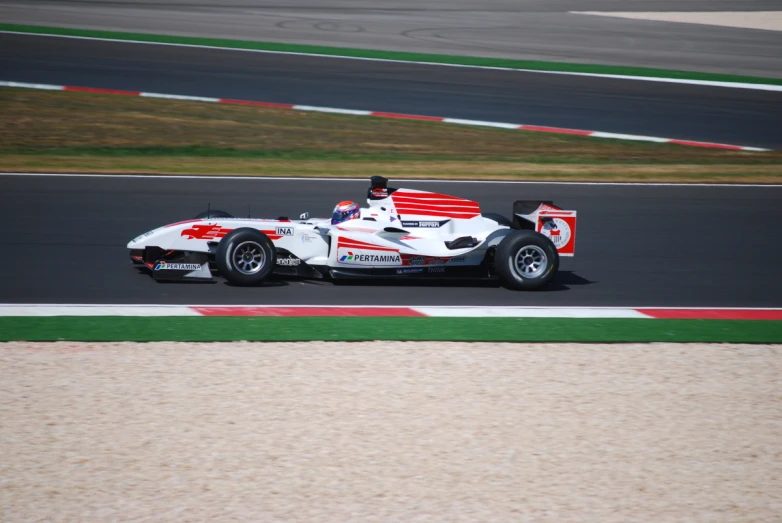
96	310
709	83
194	305
481	123
634	137
180	97
395	180
704	83
656	139
335	110
528	312
755	149
27	85
574	307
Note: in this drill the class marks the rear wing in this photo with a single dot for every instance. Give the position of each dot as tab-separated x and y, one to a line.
548	219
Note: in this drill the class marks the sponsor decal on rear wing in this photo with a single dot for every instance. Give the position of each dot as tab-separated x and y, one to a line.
546	218
560	227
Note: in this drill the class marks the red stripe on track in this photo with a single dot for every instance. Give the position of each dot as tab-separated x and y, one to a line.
306	311
258	104
558	130
713	314
408	116
100	91
707	145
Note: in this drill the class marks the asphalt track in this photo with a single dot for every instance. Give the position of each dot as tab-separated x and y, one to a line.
637	245
523	29
710	114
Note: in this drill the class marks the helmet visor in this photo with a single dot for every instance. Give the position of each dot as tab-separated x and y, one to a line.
340	216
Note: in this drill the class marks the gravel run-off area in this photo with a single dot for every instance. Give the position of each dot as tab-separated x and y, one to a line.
390	431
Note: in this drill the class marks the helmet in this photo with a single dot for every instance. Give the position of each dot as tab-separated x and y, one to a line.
345	211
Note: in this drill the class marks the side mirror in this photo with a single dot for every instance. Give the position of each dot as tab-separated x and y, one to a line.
304	216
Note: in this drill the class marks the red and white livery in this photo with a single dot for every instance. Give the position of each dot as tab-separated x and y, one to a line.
402	233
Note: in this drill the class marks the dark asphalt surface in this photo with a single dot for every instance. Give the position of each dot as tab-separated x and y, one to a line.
520	29
735	116
637	245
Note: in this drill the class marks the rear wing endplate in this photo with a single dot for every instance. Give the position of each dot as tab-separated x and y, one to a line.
548	219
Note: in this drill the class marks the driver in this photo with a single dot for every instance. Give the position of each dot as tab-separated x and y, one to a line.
345	211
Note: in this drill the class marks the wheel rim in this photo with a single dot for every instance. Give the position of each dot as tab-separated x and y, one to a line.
530	262
249	257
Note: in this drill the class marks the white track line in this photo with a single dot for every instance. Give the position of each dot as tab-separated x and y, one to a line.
403	180
180	97
382	114
708	83
528	312
96	310
92	310
342	306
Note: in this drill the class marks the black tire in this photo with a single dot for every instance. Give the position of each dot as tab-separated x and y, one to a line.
526	260
234	261
213	213
502	220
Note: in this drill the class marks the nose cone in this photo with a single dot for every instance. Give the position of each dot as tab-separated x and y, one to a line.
140	241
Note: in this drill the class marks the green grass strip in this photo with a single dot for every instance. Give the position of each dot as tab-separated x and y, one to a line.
197	151
394	55
117	328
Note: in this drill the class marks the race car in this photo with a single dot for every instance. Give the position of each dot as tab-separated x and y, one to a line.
402	233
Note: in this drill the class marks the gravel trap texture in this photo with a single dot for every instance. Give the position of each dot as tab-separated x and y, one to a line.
390	431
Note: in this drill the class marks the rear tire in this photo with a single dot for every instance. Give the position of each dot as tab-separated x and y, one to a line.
526	260
213	213
245	256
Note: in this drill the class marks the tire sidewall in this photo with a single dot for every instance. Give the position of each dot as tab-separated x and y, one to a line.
505	257
229	244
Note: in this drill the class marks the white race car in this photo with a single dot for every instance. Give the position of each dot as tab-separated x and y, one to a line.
403	233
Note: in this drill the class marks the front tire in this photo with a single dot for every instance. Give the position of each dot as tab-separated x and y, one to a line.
245	256
526	260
